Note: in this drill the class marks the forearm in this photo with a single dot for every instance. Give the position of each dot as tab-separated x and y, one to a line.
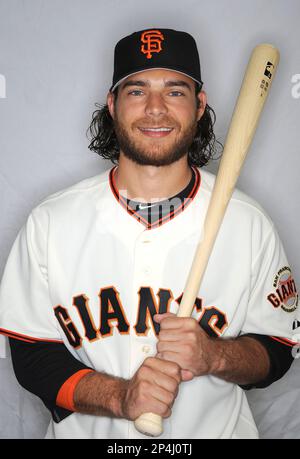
101	395
242	361
153	388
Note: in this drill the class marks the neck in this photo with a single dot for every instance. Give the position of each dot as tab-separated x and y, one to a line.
150	183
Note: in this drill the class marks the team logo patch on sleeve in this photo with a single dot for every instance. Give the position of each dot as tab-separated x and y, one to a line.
285	293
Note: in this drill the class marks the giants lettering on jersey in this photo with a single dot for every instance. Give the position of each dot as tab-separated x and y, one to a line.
112	314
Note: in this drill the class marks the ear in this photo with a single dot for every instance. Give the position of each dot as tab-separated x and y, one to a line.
202	98
110	100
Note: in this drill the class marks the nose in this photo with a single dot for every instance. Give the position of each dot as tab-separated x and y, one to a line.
155	105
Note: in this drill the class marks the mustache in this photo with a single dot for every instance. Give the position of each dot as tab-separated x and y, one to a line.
150	123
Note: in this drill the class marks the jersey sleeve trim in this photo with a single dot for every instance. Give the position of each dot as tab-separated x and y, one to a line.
26	338
280	355
284	341
65	396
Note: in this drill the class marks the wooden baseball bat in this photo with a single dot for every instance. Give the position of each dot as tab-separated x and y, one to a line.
253	93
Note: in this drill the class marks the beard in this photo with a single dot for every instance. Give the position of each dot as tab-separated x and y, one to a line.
155	153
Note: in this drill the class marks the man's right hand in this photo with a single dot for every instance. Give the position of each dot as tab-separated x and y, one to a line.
153	388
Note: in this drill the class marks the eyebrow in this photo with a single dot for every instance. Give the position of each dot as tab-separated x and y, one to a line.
134	83
168	83
181	83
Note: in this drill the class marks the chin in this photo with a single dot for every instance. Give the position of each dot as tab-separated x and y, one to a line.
156	159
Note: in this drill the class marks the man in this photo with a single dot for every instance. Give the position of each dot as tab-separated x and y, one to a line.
93	282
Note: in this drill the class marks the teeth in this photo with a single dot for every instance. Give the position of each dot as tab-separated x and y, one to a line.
157	129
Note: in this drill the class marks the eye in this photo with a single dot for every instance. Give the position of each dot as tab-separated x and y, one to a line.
136	92
176	93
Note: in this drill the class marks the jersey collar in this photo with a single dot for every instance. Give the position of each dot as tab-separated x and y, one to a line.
167	217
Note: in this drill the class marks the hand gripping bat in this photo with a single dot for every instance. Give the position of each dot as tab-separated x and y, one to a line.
253	93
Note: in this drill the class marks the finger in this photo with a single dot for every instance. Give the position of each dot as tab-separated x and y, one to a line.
187	375
166	382
172	346
163	395
154	404
174	357
183	323
163	368
159	317
170	322
171	335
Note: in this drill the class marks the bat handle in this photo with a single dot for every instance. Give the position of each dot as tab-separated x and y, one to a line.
149	424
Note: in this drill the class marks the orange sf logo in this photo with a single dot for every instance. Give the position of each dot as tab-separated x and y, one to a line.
151	40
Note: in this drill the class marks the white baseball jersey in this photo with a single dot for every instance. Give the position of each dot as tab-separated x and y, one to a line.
85	271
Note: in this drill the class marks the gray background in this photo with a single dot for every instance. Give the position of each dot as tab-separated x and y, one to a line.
56	57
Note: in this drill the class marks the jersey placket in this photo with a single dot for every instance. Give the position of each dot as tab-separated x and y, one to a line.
141	346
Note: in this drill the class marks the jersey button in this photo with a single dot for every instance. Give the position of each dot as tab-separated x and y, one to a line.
146	349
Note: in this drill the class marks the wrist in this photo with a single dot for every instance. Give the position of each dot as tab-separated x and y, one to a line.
118	404
101	395
217	362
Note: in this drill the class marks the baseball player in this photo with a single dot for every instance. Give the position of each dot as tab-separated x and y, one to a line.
93	282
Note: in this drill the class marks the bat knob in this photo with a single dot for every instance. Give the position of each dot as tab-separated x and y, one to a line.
149	424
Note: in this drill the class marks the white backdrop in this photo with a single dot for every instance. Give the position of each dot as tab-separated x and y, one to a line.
56	63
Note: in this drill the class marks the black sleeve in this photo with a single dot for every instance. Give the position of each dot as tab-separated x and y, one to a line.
42	368
281	359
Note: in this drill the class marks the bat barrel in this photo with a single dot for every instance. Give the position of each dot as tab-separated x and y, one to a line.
253	93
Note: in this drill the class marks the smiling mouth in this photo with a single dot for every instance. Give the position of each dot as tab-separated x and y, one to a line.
156	132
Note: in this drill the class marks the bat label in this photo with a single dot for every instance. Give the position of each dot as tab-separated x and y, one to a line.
268	70
264	86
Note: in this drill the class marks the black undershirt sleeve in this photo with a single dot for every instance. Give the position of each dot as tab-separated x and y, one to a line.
42	368
280	356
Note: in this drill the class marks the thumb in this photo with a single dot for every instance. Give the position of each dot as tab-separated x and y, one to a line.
187	375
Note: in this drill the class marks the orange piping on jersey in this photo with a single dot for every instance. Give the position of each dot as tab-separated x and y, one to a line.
284	341
10	335
196	184
65	396
122	201
112	183
28	339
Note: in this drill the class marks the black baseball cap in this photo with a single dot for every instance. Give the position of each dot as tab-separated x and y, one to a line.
156	49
